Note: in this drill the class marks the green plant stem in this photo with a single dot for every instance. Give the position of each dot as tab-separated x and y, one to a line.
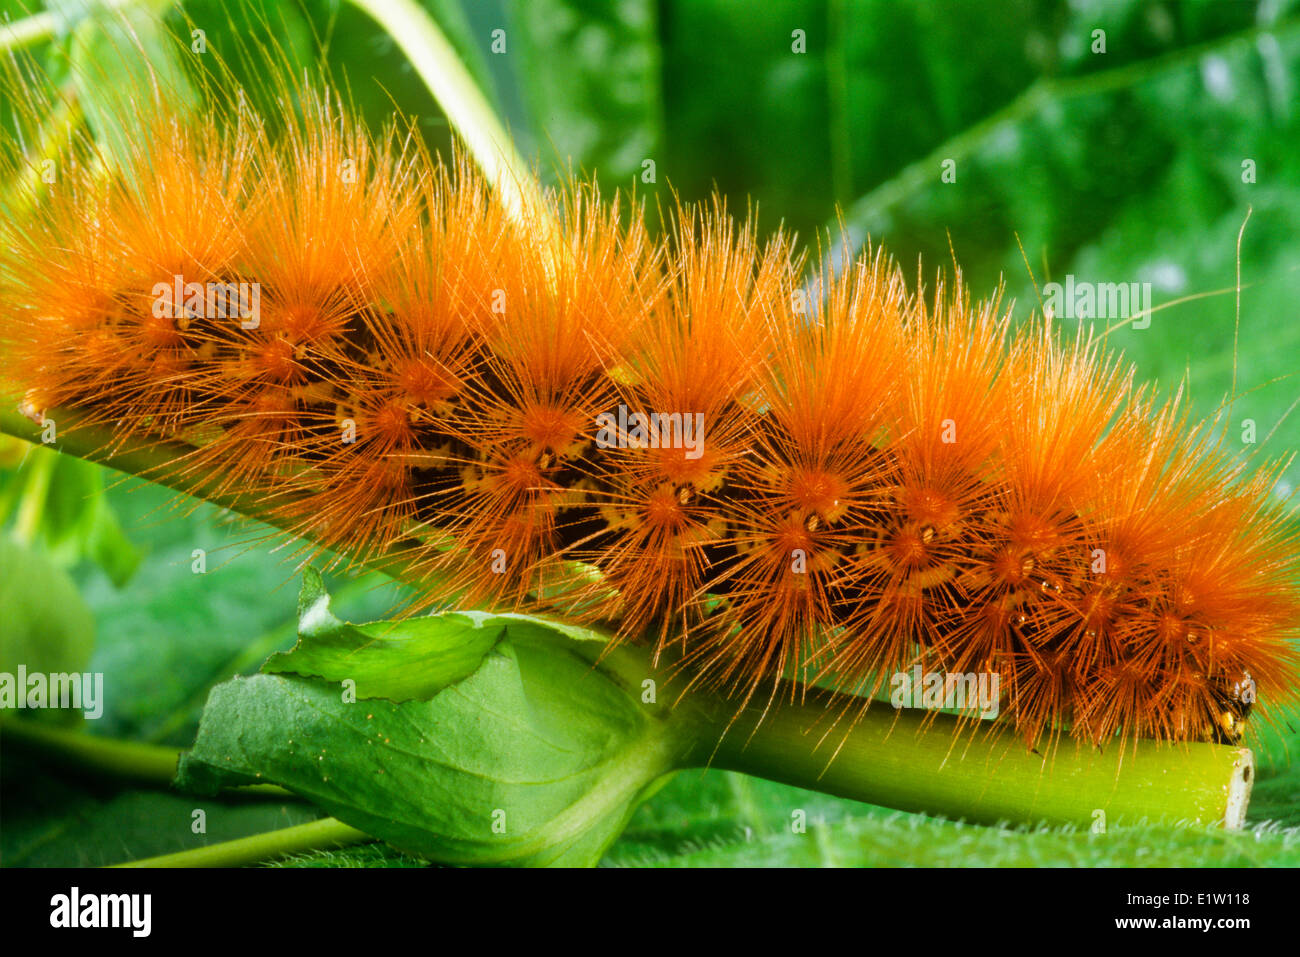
134	761
142	763
468	111
155	461
18	35
929	763
326	833
881	758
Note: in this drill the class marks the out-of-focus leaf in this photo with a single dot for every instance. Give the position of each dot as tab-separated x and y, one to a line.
1144	178
58	502
55	820
590	72
47	627
743	111
208	589
364	60
120	62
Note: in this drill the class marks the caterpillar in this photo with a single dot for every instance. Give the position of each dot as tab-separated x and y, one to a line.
764	469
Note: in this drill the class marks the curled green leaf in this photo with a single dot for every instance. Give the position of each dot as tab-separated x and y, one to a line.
404	660
509	744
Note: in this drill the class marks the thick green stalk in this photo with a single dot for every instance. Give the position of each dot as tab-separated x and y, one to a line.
326	833
925	762
149	764
439	66
131	760
156	460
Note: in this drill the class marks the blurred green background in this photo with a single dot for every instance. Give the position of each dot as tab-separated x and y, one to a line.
1116	166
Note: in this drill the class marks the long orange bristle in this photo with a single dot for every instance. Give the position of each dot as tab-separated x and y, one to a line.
886	478
699	354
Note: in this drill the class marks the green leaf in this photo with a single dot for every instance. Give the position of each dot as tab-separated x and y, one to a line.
374	854
402	660
1135	179
504	768
59	504
754	122
907	840
106	544
406	659
512	747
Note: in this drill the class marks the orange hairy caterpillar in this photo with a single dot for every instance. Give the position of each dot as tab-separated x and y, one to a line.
839	485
